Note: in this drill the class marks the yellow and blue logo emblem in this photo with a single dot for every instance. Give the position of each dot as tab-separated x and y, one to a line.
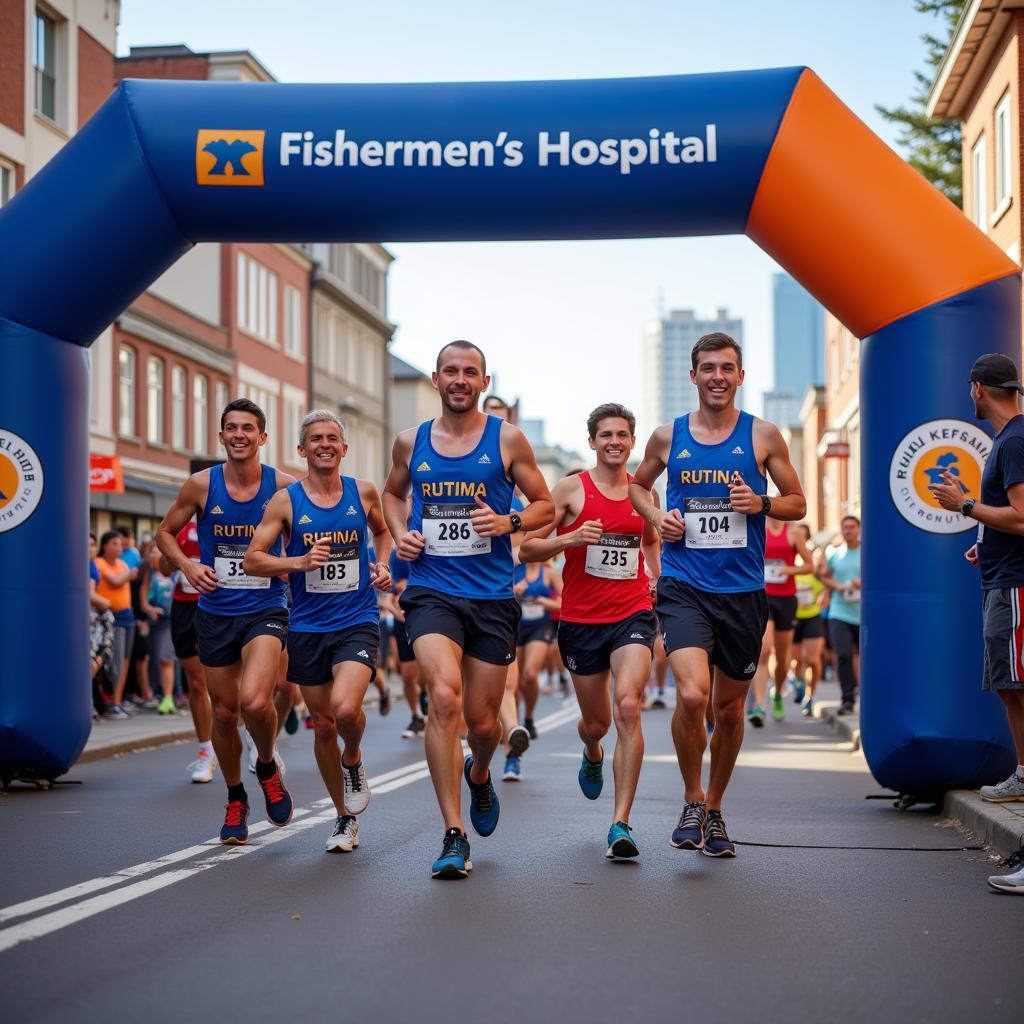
229	157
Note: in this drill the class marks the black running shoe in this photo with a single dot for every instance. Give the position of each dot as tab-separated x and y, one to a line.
530	728
689	833
716	840
415	728
384	702
518	741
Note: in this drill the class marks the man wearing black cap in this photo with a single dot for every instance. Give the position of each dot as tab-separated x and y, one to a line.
999	555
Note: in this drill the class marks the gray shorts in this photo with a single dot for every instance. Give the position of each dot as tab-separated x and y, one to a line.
1004	639
160	641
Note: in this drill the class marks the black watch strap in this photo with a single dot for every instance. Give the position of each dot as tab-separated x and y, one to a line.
517	523
766	504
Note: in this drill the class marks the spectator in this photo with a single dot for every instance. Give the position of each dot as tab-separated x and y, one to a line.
115	587
841	575
155	603
129	552
139	691
999	556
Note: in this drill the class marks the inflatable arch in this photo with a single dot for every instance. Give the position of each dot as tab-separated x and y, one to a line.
774	154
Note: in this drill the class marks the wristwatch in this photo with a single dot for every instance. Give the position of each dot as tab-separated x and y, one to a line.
766	504
517	523
967	507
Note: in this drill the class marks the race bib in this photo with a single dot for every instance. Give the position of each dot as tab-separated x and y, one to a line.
186	587
851	595
533	611
804	595
615	557
338	575
773	571
981	532
449	532
227	564
711	523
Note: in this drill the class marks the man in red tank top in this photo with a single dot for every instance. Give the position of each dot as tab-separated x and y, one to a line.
607	625
783	542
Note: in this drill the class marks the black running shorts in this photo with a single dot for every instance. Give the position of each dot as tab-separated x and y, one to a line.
586	647
729	627
222	637
538	631
312	656
485	630
183	629
782	611
809	629
405	652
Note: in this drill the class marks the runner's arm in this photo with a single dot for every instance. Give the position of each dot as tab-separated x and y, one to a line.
806	563
380	572
669	524
259	561
542	544
522	468
408	543
190	502
791	504
650	544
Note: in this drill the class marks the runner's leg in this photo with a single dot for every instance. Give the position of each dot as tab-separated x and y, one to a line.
692	670
222	684
198	698
760	684
260	660
593	693
534	654
483	691
729	698
631	665
325	742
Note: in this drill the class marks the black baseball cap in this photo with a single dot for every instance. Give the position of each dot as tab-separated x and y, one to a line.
997	371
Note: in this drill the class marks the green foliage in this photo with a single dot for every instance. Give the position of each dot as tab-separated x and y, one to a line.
932	145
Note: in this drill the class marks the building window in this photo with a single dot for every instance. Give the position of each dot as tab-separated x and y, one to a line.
257	299
222	400
293	321
179	396
155	400
44	58
126	391
1004	153
6	183
292	423
268	403
200	414
979	185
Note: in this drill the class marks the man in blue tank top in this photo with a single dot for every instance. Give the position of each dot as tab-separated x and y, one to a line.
334	631
241	622
711	599
460	612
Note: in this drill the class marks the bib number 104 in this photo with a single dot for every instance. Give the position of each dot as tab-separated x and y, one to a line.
713	524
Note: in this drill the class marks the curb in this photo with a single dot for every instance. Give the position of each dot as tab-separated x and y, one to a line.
848	726
1000	826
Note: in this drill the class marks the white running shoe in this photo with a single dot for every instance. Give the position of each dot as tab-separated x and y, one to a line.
203	767
357	789
345	837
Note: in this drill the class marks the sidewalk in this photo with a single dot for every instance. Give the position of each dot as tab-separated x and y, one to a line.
1000	826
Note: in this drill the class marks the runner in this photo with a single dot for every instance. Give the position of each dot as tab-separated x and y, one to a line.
809	638
408	670
186	650
334	631
241	622
537	589
841	575
607	626
461	616
783	543
711	601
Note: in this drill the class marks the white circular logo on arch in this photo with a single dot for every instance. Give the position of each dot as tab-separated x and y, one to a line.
21	480
922	457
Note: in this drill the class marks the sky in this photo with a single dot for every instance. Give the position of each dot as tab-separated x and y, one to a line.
562	322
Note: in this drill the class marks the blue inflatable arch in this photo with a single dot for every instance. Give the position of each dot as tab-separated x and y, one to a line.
774	154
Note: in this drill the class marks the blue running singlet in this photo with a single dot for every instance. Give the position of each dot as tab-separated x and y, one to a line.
456	559
338	594
532	609
722	551
224	529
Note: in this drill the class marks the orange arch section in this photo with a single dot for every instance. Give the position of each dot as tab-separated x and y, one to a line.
856	225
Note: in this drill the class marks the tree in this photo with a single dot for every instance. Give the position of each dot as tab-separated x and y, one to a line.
933	145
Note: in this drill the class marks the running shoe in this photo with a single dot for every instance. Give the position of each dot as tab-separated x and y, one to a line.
166	707
716	840
799	690
620	842
308	721
278	800
1013	883
778	707
235	831
116	713
454	861
755	716
423	703
357	789
416	727
846	708
345	837
530	728
591	776
807	708
689	833
151	705
513	769
384	702
518	741
203	767
291	723
250	744
1004	792
483	804
659	701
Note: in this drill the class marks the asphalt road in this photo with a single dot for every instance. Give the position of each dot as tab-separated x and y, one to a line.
91	929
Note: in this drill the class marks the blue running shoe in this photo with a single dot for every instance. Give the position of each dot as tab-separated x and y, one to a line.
454	861
716	840
279	801
689	833
620	842
591	777
235	831
483	802
513	769
799	689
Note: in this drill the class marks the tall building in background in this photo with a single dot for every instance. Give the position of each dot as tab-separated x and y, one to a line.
798	339
668	343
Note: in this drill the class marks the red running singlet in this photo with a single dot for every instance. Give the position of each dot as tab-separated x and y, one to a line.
188	541
777	552
605	582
